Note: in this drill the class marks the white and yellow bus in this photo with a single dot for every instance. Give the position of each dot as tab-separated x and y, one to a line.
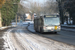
47	23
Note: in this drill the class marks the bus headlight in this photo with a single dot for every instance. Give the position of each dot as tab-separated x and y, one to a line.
59	27
44	27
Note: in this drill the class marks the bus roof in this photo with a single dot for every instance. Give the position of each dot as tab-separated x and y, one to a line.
44	16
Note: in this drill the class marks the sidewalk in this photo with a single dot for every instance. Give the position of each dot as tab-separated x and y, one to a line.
68	29
31	28
2	28
68	26
1	39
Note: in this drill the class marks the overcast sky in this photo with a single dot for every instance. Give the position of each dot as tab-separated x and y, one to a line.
41	2
38	1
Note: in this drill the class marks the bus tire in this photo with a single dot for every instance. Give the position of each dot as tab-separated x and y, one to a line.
55	32
35	31
41	31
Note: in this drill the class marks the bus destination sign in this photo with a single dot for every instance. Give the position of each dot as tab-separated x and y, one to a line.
51	16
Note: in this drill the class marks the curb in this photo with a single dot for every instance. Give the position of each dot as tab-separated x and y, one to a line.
72	27
2	28
68	30
29	30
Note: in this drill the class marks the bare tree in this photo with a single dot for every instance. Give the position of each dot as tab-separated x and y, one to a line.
51	7
35	7
47	7
22	7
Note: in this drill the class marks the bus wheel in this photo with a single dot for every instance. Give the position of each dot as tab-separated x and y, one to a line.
36	31
55	32
41	30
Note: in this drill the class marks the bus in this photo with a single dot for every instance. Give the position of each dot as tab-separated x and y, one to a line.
47	23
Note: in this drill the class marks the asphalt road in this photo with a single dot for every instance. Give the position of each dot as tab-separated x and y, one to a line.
67	37
22	39
62	36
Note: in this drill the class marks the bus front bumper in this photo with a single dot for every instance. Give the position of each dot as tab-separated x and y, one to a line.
51	30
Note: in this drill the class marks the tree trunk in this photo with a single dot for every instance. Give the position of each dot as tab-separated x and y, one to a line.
0	19
16	19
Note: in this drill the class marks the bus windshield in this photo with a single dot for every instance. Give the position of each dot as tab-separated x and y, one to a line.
51	21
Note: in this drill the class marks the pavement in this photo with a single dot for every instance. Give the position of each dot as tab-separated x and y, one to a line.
63	27
2	28
66	35
29	41
2	32
68	26
30	28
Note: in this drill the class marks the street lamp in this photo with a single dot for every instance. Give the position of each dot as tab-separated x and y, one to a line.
60	10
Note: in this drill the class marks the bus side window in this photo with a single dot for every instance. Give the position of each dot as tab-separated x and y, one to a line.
41	22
